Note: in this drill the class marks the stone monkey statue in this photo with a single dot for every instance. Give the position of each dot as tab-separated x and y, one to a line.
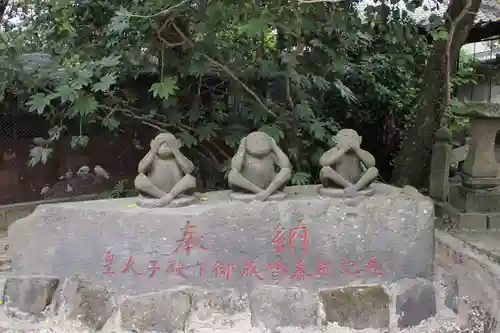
253	172
165	174
346	168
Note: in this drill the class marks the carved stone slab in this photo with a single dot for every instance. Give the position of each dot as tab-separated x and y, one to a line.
261	243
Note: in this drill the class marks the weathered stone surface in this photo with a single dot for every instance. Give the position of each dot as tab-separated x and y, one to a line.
448	283
392	228
29	294
163	311
415	301
439	179
475	200
357	307
91	304
221	309
477	277
480	167
275	306
451	295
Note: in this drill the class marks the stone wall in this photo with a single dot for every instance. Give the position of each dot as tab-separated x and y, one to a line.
471	282
190	309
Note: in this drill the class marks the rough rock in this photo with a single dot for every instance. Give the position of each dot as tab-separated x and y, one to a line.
382	238
28	294
357	307
163	311
82	300
275	306
415	301
221	309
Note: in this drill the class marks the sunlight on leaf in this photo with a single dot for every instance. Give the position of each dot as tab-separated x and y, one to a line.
66	93
39	155
85	105
110	61
79	141
345	92
38	102
106	82
110	123
164	89
120	21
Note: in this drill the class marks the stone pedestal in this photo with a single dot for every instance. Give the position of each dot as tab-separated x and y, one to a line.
305	241
480	168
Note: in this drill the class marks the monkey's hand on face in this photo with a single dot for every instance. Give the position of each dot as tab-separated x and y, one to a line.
155	145
237	161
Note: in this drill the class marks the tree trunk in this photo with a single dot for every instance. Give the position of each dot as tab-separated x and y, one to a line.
3	7
412	162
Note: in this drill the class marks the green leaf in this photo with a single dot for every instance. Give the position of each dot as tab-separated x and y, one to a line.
106	82
301	178
304	111
233	138
85	105
187	139
118	23
110	123
345	92
110	61
207	131
320	83
435	21
164	89
39	155
84	77
38	102
79	141
273	131
67	93
440	34
123	12
255	27
193	114
317	129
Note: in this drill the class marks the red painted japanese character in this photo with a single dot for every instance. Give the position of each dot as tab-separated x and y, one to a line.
176	267
223	270
300	272
349	268
373	267
323	269
299	232
279	239
153	267
108	258
277	269
187	240
129	266
200	263
249	269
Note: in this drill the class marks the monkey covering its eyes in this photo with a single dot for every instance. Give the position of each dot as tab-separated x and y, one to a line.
253	168
346	168
165	174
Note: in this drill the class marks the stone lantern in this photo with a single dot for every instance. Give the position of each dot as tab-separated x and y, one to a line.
475	200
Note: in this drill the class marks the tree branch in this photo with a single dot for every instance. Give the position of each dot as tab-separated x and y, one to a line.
451	33
227	71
